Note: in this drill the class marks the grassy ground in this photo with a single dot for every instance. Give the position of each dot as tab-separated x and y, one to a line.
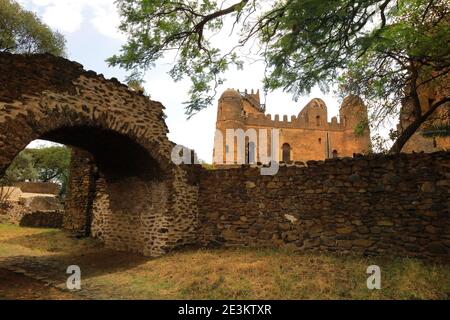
218	274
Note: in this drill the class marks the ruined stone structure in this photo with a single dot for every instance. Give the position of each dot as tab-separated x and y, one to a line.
32	204
308	136
39	187
125	190
136	198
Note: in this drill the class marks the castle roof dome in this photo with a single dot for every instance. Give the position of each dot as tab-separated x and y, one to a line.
230	93
351	101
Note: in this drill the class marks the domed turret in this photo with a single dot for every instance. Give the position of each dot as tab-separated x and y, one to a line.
354	118
229	116
353	111
230	93
230	106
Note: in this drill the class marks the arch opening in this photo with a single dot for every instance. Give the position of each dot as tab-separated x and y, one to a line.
115	155
116	188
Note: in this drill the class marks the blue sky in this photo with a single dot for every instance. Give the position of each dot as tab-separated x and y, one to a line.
90	28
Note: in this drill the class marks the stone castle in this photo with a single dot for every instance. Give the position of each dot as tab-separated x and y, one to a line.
308	136
125	191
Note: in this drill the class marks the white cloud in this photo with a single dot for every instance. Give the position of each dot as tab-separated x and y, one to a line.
68	15
64	18
106	20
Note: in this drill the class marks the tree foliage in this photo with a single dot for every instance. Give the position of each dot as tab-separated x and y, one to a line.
22	31
382	50
50	164
22	168
137	85
401	60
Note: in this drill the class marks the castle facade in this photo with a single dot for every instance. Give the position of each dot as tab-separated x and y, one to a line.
307	136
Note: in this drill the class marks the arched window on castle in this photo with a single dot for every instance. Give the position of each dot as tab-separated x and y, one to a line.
335	154
318	121
286	153
227	149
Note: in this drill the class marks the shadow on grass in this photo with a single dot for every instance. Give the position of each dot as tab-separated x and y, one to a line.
15	286
52	240
60	251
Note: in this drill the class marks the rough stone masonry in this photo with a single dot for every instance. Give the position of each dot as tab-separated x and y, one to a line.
125	190
372	205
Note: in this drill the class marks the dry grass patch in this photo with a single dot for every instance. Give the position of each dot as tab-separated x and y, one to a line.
228	273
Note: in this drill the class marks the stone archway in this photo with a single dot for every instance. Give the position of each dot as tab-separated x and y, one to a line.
124	188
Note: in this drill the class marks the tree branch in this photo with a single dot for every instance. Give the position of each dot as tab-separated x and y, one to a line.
201	25
414	126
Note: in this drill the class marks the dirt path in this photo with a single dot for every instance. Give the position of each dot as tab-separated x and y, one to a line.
15	286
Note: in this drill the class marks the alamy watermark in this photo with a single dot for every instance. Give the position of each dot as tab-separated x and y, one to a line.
74	280
251	147
374	280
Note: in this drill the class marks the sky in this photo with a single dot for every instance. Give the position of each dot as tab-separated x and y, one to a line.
90	28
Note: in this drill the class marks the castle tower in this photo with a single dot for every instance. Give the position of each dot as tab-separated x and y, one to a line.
229	116
353	115
230	107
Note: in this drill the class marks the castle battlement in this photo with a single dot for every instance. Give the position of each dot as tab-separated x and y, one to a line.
300	122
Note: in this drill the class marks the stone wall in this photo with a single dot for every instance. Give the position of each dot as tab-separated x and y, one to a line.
42	219
30	209
20	214
388	205
78	205
39	187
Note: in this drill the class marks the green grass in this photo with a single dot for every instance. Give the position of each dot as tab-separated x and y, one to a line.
228	273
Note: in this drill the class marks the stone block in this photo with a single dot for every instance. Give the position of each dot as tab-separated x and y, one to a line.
363	243
344	230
